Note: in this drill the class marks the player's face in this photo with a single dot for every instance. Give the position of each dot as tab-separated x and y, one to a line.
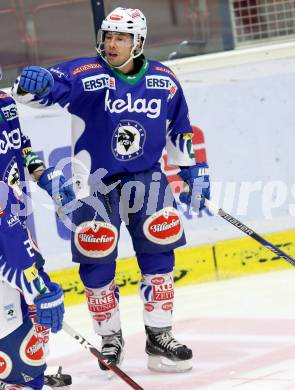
117	47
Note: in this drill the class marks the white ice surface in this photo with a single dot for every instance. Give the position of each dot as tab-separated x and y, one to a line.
242	332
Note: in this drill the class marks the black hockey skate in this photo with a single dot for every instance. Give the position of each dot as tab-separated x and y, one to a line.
57	379
112	349
165	353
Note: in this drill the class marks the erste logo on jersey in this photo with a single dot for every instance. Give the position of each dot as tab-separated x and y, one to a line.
94	83
164	227
96	239
10	112
152	108
10	140
128	140
161	82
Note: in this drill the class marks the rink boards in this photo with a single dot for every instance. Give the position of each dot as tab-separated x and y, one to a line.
225	259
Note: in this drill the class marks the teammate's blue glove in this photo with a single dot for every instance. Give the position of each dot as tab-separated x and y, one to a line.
50	308
53	181
197	179
36	80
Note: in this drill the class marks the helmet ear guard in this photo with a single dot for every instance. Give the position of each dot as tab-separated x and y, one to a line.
124	20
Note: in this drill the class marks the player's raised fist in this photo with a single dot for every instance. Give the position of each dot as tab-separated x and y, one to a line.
36	80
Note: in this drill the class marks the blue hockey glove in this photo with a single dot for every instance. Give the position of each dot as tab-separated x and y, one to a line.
197	179
36	80
53	181
50	308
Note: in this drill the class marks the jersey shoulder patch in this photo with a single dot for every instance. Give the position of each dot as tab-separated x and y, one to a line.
76	68
86	68
159	68
82	67
5	99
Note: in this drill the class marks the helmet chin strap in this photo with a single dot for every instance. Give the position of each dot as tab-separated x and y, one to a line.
124	63
102	54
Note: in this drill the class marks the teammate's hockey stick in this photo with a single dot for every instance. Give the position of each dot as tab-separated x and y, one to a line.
81	340
245	229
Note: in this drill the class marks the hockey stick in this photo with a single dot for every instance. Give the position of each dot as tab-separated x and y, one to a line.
245	229
81	340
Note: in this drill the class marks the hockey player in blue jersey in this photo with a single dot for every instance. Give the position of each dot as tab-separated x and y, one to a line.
23	282
125	110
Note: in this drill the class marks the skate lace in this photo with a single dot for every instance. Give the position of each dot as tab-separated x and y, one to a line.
166	340
111	344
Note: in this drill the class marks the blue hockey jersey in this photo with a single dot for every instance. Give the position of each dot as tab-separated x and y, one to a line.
121	123
20	281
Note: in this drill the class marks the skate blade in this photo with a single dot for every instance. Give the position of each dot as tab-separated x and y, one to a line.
54	377
51	370
162	364
110	374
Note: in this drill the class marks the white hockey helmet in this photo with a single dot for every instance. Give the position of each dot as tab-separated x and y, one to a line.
125	20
